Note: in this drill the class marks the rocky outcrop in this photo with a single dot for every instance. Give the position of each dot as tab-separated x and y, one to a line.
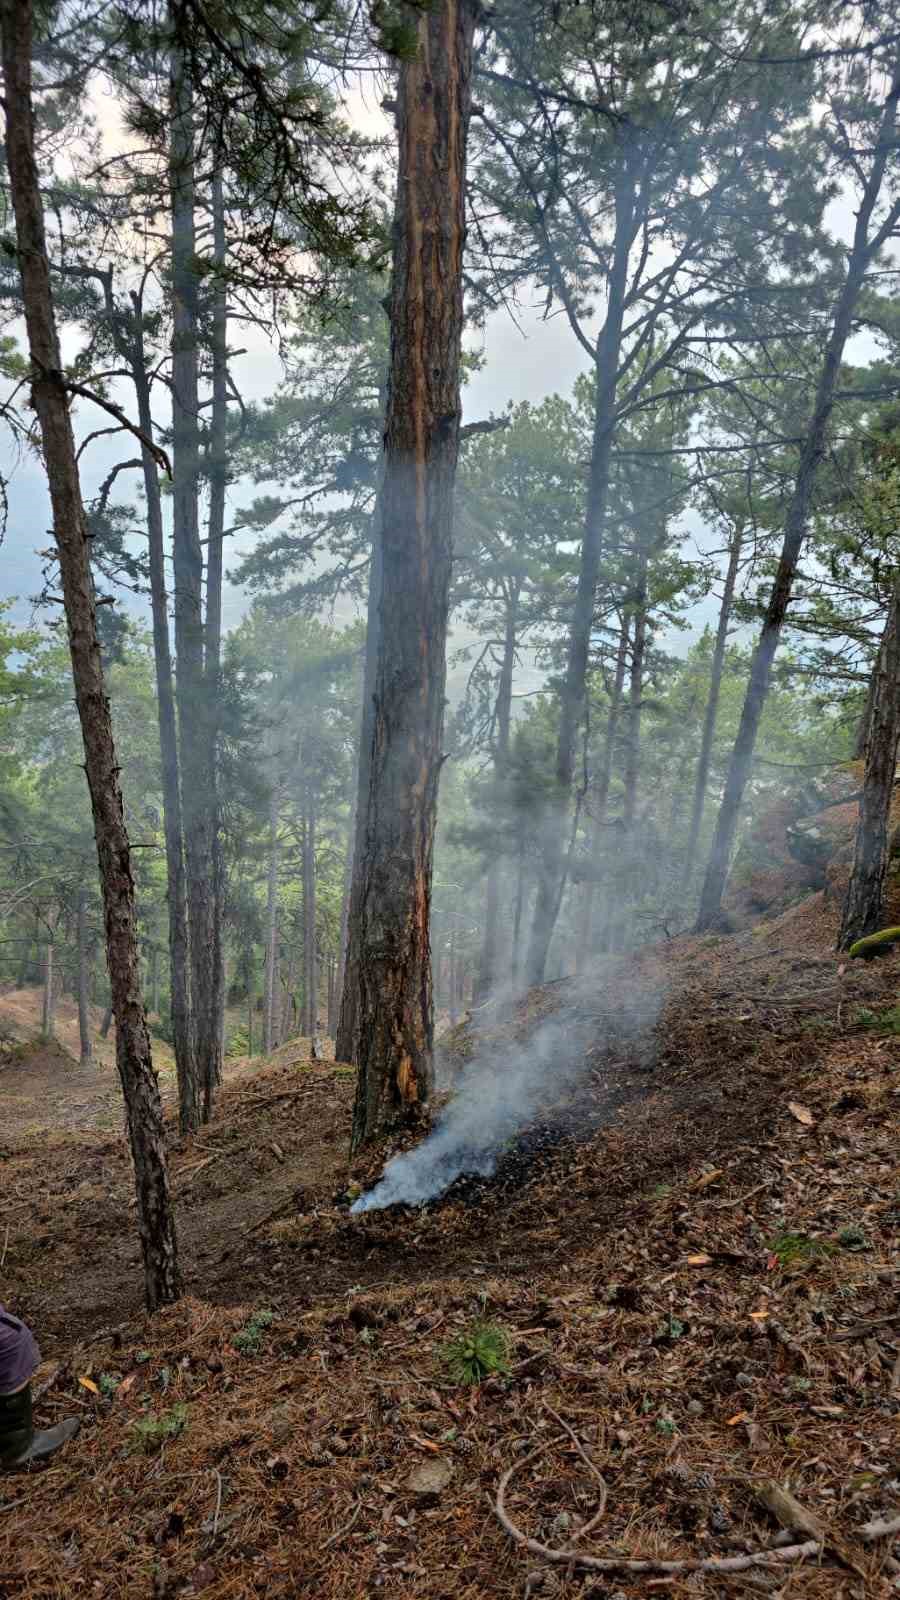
804	843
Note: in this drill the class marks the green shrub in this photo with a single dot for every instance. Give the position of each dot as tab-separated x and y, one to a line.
479	1353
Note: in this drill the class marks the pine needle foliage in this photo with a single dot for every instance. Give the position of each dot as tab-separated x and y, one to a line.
482	1351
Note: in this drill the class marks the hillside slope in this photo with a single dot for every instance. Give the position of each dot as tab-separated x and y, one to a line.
698	1287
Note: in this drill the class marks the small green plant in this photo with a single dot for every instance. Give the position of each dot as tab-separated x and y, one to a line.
108	1383
853	1238
248	1341
880	1021
791	1249
667	1427
801	1385
151	1433
672	1328
479	1353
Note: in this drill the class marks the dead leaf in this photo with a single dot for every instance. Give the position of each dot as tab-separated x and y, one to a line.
426	1444
88	1383
739	1416
699	1261
706	1178
801	1113
127	1383
756	1439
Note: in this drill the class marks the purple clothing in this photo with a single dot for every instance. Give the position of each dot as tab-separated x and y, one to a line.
19	1354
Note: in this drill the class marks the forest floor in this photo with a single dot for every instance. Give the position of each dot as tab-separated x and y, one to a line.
699	1290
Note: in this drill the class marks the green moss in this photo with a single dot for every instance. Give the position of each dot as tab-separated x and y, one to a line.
874	944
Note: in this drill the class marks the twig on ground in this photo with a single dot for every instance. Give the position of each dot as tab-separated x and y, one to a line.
346	1528
780	1334
5	1247
218	1511
567	1556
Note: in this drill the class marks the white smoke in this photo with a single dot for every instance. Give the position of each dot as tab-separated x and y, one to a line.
508	1086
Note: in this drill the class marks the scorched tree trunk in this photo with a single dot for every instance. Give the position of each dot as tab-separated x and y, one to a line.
393	1022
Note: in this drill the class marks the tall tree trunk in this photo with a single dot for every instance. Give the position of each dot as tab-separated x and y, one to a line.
49	1000
310	964
194	711
635	702
84	968
272	923
332	996
133	1058
574	687
488	971
701	782
154	981
106	1024
865	894
217	467
811	454
586	929
179	951
393	1021
861	742
351	939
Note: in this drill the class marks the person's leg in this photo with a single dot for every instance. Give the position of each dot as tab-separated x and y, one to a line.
21	1444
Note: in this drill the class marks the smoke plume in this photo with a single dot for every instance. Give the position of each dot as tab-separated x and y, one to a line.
509	1086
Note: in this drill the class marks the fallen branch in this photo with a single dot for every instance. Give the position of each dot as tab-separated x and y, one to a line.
570	1557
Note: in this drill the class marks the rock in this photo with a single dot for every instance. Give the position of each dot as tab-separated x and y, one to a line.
694	1408
429	1477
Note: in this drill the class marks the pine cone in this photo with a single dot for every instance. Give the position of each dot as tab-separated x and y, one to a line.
464	1447
718	1520
704	1481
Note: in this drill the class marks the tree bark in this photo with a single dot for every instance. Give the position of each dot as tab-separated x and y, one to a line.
84	964
173	826
310	963
635	702
133	1057
194	711
489	967
393	1021
272	923
865	894
217	468
701	782
811	454
351	948
587	930
49	1000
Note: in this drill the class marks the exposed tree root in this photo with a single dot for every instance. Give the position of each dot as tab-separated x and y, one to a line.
569	1556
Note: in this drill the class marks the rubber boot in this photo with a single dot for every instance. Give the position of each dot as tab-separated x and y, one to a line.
21	1445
